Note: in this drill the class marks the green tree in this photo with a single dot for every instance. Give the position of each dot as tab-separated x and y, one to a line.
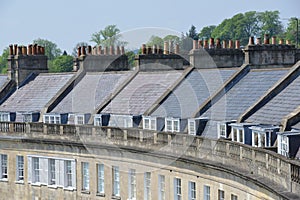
109	36
193	33
63	63
291	31
270	23
174	38
3	61
155	40
51	49
131	58
206	32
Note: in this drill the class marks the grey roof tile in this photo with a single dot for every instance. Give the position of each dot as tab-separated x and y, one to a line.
281	105
91	91
3	80
142	92
244	94
192	92
36	94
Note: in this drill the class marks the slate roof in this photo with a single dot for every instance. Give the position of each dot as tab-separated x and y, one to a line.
244	94
192	92
3	80
279	106
91	91
142	92
36	94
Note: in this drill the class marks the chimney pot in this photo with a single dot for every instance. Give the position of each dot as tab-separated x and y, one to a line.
195	44
288	42
99	50
274	40
79	51
258	41
200	44
34	49
266	39
224	44
218	43
230	45
143	48
105	50
171	47
19	50
211	43
11	50
237	44
89	49
29	49
251	40
83	50
205	44
149	50
118	50
166	48
154	49
122	50
111	50
43	50
24	50
160	50
15	49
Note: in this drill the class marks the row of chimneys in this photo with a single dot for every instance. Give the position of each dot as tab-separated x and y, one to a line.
32	49
197	44
156	49
97	50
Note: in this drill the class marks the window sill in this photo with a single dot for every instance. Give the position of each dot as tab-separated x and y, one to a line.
69	189
19	182
53	186
100	194
4	180
36	184
85	192
116	197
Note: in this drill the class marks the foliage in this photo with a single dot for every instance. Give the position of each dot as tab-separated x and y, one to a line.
131	58
270	23
51	49
109	36
291	31
63	63
192	33
206	31
155	40
175	39
3	61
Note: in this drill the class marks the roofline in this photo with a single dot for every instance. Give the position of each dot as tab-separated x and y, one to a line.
159	101
272	92
231	82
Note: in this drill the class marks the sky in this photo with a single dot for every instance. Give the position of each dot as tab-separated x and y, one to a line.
68	22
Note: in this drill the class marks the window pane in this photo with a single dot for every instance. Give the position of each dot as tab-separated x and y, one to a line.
3	166
169	125
176	126
52	173
192	128
192	190
147	186
146	124
85	176
132	184
221	195
20	168
206	192
100	178
153	124
161	187
68	168
116	181
241	136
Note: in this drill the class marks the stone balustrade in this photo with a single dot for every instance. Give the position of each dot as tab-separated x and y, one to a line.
256	162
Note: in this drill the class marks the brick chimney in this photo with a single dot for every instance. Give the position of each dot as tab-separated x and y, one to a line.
269	54
23	61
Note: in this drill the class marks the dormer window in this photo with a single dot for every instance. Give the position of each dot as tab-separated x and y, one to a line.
79	119
27	117
263	135
192	127
52	119
4	117
149	123
237	135
172	125
222	133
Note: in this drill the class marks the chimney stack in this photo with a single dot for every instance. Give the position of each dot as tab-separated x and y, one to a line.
211	43
251	40
281	41
99	50
205	44
218	43
11	50
15	49
118	50
274	40
200	44
79	51
224	44
266	39
195	44
237	44
258	41
177	49
122	50
166	48
230	45
30	49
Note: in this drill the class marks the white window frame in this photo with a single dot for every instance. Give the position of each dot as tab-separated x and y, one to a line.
151	125
128	122
85	172
132	184
192	126
234	197
52	172
172	125
283	145
97	120
27	117
79	119
236	135
161	187
3	167
36	174
192	190
222	130
52	119
4	117
116	181
177	189
19	168
147	186
100	179
206	192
